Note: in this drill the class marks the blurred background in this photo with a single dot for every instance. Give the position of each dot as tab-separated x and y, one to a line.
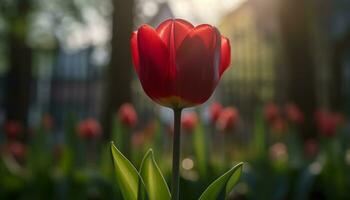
67	87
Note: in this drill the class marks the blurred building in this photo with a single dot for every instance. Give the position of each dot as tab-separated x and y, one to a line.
253	31
258	73
339	26
68	81
76	85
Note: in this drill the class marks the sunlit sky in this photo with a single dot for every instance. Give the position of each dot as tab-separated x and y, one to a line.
196	11
203	11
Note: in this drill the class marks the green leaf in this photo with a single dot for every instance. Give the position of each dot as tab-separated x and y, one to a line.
226	181
154	181
126	175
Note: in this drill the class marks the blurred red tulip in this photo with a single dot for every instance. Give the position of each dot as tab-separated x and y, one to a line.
150	129
47	122
327	122
58	151
179	65
271	112
279	125
228	119
294	114
17	149
127	115
339	118
189	121
324	123
311	147
214	111
13	129
319	114
147	133
138	139
89	128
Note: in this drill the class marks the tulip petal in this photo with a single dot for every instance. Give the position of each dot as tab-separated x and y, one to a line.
154	73
225	55
197	61
174	30
135	52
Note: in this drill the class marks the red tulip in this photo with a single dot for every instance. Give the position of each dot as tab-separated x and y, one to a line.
189	121
127	115
13	129
138	139
271	112
294	114
146	134
311	147
327	122
279	125
339	118
214	111
17	149
57	151
228	119
89	128
47	122
179	65
150	129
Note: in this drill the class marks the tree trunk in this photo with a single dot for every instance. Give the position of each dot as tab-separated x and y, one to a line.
339	49
118	73
20	67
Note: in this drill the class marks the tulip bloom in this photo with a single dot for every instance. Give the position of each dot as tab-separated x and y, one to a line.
189	121
17	149
138	139
310	147
178	64
271	112
279	125
127	115
13	129
294	114
327	122
89	128
214	111
145	135
228	119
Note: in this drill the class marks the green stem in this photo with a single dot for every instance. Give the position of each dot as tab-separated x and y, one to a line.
176	155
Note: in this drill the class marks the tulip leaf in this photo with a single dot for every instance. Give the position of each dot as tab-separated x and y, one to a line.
154	181
127	176
225	183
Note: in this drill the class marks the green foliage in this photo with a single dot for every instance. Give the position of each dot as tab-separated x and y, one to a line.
154	181
149	182
126	175
224	183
